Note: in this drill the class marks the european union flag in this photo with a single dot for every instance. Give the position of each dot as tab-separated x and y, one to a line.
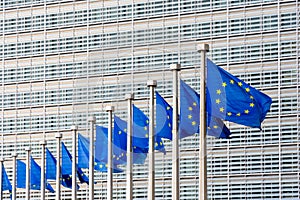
164	116
51	170
234	100
67	165
139	154
83	156
6	185
83	151
50	165
141	131
102	146
189	111
35	177
190	115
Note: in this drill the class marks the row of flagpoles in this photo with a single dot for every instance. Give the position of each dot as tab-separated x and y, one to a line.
225	97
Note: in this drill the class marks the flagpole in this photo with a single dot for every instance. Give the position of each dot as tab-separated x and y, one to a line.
58	167
14	176
92	121
175	135
43	182
110	109
28	150
129	182
151	179
202	48
1	175
74	161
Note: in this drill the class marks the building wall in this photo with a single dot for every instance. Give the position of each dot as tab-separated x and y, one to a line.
63	61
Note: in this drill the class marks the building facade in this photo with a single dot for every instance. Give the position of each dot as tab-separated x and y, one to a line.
63	61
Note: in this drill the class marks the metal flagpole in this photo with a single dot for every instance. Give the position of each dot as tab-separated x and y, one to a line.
58	165
28	150
129	182
202	48
110	109
151	179
1	175
74	161
14	176
175	136
43	180
92	121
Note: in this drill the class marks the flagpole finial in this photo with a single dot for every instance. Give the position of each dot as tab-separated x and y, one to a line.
129	96
202	47
152	83
175	67
110	108
14	154
43	142
74	128
58	135
92	119
1	159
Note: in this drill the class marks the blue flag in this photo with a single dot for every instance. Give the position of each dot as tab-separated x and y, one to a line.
139	154
164	116
83	151
67	165
6	185
141	132
83	156
102	146
21	174
234	100
50	166
190	115
35	177
51	171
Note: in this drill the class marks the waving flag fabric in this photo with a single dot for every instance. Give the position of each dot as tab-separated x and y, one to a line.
190	115
83	155
164	116
234	100
67	165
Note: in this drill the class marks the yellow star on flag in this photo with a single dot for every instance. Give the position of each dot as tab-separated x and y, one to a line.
221	109
218	91
218	101
224	84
